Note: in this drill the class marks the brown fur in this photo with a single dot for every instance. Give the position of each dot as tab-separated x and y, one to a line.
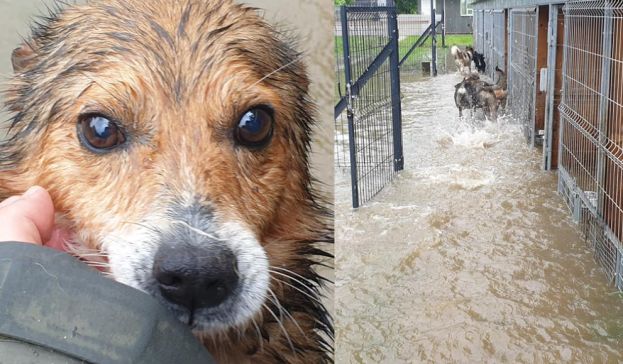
177	73
473	93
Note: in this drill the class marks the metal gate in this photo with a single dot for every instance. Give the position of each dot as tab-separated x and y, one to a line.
367	114
522	72
591	148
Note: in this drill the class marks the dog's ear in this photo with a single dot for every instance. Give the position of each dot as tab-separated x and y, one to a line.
23	57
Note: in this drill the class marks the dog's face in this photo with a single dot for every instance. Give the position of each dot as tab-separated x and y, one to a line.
173	139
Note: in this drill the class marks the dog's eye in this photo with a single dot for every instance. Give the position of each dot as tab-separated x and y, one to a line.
255	128
99	133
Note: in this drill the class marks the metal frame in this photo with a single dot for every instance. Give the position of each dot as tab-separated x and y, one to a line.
591	143
369	103
523	34
552	40
410	60
590	148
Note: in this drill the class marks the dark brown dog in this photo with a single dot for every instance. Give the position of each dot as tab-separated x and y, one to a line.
473	93
173	137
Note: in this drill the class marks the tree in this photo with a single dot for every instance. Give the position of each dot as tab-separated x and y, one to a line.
343	2
406	6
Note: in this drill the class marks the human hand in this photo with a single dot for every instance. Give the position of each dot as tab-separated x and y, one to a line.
30	218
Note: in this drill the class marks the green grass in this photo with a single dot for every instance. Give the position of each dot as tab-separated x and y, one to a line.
461	40
360	42
423	51
452	39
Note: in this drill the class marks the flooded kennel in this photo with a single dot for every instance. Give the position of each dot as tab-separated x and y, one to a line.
490	32
565	83
591	151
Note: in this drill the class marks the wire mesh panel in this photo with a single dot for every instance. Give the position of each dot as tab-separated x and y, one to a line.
522	72
415	43
368	113
488	41
498	58
478	26
591	151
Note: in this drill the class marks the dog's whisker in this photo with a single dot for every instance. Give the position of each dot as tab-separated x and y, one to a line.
299	290
311	286
94	82
296	59
286	270
283	329
310	291
259	334
150	228
280	307
198	231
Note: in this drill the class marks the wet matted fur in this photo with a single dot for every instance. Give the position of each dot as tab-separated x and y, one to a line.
177	76
473	93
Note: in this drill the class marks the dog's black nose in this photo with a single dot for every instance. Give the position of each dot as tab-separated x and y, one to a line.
195	277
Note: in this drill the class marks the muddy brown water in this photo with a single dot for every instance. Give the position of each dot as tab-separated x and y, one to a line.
469	255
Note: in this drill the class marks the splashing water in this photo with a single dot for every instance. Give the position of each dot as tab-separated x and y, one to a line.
469	255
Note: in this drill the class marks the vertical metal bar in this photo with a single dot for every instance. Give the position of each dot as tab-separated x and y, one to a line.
532	111
395	90
433	35
551	78
603	108
619	270
562	169
443	24
349	109
509	70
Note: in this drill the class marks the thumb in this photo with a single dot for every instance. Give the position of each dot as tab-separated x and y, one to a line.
27	218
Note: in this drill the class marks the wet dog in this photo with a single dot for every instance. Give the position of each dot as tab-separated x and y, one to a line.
479	62
463	59
473	93
501	78
173	137
501	89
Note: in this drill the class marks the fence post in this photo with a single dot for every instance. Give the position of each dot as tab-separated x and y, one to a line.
532	111
552	43
349	110
433	36
603	108
563	97
509	71
443	25
395	90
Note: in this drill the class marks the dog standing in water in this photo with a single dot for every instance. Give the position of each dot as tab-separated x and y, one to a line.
479	62
463	59
473	93
173	138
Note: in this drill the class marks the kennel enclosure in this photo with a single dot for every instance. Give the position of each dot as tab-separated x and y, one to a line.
565	83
